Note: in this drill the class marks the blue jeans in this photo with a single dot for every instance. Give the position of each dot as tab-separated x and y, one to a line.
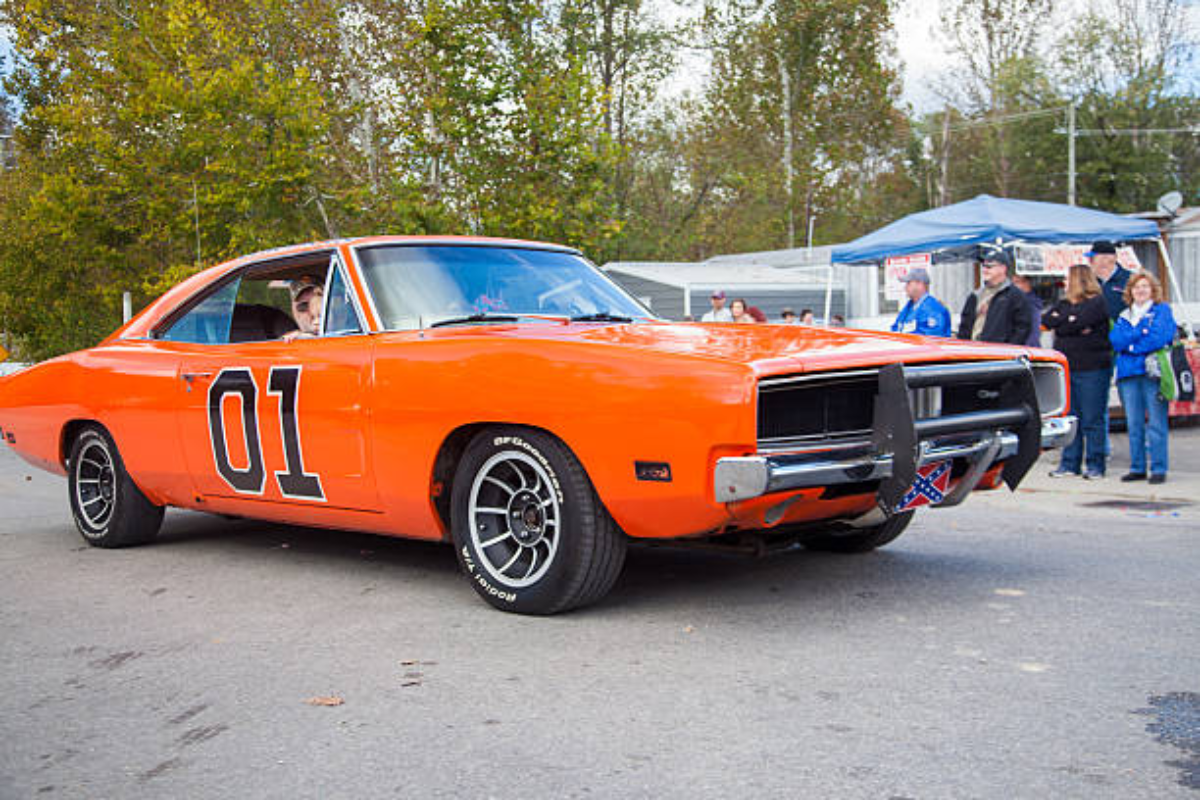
1089	403
1139	396
1112	371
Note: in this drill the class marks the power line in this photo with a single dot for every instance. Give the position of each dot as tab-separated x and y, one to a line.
1041	112
1128	131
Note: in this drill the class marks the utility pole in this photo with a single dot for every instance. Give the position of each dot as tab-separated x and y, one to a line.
785	81
1071	154
944	188
196	215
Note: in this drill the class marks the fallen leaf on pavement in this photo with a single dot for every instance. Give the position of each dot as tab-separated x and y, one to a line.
325	701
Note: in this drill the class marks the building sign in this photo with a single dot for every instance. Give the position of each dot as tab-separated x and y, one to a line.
1056	259
896	267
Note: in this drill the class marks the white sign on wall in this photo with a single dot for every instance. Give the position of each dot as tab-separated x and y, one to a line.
896	267
1056	259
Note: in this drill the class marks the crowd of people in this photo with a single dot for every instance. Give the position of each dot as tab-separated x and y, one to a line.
1108	318
1108	321
739	311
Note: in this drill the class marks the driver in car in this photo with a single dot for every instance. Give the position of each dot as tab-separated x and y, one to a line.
307	292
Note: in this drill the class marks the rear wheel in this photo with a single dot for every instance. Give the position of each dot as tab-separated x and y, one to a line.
528	528
109	509
862	540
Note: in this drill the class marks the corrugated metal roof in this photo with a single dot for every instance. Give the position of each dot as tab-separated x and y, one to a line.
784	259
721	273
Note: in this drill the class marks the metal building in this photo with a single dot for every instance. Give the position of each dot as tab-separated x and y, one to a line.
677	290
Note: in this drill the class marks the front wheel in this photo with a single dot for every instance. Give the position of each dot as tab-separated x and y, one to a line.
528	528
862	540
109	509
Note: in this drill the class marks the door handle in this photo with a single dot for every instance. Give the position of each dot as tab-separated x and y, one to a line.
189	377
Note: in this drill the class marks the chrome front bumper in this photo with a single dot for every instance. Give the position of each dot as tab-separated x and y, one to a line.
743	478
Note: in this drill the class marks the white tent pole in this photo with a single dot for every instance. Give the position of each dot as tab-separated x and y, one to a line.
1166	259
1176	287
687	300
828	293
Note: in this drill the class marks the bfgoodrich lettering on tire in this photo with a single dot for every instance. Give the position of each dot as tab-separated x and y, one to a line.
109	509
530	532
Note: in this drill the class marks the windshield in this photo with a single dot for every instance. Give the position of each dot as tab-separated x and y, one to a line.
419	286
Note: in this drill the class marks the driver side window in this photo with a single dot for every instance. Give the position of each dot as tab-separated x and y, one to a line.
269	302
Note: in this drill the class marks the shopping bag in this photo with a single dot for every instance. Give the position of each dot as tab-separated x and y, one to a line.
1175	378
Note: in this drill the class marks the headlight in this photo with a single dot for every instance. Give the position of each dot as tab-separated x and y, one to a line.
1050	381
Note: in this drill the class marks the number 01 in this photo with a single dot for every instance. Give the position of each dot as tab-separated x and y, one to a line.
293	482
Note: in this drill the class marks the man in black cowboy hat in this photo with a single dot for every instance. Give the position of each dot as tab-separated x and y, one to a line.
996	311
1112	276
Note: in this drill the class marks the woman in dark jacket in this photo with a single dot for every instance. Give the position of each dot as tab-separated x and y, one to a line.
1146	325
1080	324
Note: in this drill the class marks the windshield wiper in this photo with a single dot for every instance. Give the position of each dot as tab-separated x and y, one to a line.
603	316
474	318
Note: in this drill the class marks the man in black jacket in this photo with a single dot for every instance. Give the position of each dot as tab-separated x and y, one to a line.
996	311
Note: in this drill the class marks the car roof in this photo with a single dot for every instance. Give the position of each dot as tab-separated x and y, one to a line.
372	241
174	297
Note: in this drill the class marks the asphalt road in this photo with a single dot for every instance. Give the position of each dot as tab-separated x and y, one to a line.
1036	645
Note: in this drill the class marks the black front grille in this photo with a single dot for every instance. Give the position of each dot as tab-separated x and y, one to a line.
817	409
975	396
843	407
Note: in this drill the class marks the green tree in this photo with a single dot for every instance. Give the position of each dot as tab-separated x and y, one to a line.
800	99
164	135
153	140
997	42
1125	63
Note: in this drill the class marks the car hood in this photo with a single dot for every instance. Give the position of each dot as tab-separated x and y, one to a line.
770	349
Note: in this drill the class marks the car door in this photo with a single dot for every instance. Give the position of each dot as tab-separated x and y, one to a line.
281	422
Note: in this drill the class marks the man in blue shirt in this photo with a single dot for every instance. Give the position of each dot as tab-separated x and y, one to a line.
922	313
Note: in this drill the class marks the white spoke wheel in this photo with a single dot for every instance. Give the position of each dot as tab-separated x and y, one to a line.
528	528
109	509
515	519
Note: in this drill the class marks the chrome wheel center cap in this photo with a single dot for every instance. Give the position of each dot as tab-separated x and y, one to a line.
526	518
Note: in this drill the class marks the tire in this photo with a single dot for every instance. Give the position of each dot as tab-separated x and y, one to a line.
529	531
109	509
862	540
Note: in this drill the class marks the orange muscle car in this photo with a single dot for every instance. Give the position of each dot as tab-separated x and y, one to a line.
507	397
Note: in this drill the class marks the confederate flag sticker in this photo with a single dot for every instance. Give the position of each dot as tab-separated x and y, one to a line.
928	487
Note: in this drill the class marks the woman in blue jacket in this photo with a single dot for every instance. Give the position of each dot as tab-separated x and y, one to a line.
1146	325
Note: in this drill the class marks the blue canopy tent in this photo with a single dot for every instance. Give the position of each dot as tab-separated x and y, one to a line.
956	232
961	227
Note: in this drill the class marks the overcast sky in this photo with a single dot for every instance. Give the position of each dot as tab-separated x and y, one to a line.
922	56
